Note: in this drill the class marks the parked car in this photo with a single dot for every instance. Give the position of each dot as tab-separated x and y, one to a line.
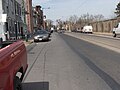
116	30
61	31
41	35
49	32
87	29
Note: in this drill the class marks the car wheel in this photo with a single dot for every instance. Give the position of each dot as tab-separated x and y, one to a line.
17	83
35	40
114	35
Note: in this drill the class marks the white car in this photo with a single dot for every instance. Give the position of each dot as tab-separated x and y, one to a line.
116	30
87	29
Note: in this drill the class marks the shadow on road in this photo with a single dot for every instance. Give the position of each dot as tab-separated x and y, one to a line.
36	86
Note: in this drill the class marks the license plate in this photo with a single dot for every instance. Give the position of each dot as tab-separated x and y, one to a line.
40	39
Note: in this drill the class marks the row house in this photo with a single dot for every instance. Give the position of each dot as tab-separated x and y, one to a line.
38	22
22	16
12	19
35	16
29	17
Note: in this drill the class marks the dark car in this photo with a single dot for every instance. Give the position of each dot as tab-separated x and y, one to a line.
41	35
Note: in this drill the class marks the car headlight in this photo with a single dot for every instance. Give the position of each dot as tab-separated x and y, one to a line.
35	37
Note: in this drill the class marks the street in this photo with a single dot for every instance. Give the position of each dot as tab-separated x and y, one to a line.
68	63
107	41
59	45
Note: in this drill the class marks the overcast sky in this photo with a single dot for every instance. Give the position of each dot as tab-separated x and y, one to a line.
63	9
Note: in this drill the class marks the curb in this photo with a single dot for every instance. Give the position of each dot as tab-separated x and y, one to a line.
100	33
28	43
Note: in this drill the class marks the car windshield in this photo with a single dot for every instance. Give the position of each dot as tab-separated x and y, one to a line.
41	32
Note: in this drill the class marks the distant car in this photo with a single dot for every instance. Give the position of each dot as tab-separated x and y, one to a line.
61	31
87	29
41	35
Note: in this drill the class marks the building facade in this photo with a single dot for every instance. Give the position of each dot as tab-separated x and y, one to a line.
38	17
11	22
8	25
29	16
34	18
22	17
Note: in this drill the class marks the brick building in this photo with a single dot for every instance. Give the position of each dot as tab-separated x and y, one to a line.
29	16
37	17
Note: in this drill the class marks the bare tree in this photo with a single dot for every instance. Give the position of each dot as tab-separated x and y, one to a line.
75	22
73	19
85	19
49	23
60	23
98	17
72	22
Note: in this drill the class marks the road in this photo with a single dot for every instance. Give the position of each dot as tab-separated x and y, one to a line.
107	41
68	63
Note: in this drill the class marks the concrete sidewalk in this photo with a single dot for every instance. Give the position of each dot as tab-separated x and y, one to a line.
28	43
102	33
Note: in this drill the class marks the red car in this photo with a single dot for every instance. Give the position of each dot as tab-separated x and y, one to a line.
13	65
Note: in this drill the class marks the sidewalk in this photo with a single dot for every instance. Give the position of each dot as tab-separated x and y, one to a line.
28	43
98	33
102	33
112	45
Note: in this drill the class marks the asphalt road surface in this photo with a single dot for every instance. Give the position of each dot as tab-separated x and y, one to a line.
68	63
107	41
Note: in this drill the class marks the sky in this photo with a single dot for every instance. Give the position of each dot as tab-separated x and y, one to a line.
63	9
